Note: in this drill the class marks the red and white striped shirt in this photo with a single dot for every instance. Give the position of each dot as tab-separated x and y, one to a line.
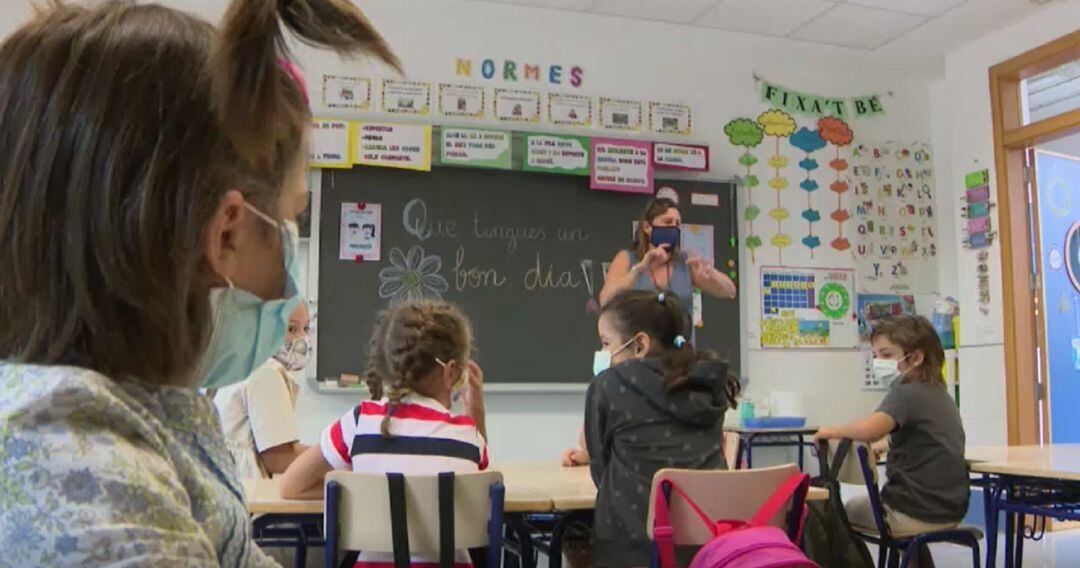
426	439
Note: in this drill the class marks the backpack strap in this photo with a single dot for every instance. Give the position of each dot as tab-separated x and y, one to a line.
446	520
399	523
779	498
663	532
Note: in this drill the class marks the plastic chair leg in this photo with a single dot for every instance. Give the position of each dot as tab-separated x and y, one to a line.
894	558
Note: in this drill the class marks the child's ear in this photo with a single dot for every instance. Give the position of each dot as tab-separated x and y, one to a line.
917	358
642	344
449	370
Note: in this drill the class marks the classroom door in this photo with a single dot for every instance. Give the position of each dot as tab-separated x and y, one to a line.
1056	220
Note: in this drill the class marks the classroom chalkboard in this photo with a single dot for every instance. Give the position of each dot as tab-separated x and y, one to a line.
522	253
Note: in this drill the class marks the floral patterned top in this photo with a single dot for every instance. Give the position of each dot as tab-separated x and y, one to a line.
95	472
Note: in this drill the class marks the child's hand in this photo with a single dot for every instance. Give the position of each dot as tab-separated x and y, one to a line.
574	457
474	391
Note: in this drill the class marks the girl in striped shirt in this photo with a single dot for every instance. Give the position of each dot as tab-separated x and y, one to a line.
419	359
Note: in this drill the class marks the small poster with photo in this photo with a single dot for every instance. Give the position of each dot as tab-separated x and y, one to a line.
671	118
517	106
406	97
343	92
465	101
361	232
620	114
570	110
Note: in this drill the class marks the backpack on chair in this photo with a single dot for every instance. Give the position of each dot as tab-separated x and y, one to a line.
829	538
737	544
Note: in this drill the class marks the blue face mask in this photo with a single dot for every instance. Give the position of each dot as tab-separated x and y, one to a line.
669	236
247	329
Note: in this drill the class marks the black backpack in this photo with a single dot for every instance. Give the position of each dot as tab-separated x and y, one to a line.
829	539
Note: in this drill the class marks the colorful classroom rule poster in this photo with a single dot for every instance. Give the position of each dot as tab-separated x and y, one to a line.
361	232
406	97
622	165
681	157
403	146
331	144
671	118
620	114
557	154
466	101
476	148
570	110
808	308
349	93
517	106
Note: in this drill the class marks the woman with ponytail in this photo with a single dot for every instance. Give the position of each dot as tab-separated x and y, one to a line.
655	403
151	171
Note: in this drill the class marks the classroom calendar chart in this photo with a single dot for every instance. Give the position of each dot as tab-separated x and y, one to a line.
895	238
808	308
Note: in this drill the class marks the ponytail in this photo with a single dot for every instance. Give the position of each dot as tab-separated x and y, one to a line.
257	100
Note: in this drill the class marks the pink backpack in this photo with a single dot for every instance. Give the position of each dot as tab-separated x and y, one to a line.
737	544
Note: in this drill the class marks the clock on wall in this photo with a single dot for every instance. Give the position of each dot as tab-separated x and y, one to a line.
1072	254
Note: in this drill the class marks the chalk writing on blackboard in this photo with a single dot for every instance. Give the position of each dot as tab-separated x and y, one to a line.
414	218
413	276
472	277
509	234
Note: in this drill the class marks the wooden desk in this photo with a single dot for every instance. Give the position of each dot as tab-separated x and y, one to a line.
790	438
530	488
1056	461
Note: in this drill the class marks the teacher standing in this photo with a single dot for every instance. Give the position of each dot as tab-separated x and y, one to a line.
658	263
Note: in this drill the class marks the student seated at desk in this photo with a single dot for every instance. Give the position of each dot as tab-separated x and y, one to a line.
420	359
258	415
928	485
655	403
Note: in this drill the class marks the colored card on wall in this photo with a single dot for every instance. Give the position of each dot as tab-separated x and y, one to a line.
570	110
681	156
671	118
331	144
406	97
698	241
361	232
465	101
513	105
344	92
620	114
404	146
557	154
978	225
622	165
975	179
476	148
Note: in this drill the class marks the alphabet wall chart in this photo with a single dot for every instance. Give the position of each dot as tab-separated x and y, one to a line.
895	224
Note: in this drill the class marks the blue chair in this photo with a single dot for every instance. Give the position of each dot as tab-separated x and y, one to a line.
431	515
895	550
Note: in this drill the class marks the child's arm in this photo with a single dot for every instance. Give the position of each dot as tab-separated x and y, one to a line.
577	456
869	429
596	432
305	475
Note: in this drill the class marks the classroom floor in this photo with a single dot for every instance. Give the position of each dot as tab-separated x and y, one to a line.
1060	549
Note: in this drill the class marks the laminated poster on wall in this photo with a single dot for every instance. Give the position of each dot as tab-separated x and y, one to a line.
555	154
406	97
895	218
476	148
808	308
331	144
620	114
622	165
870	309
361	232
341	92
570	110
512	105
403	146
698	241
465	101
690	157
671	118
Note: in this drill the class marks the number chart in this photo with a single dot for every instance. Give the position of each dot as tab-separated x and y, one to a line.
807	308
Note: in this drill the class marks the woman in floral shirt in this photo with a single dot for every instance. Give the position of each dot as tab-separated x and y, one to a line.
150	173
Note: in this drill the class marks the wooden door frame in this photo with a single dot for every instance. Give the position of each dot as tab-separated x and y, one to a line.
1011	138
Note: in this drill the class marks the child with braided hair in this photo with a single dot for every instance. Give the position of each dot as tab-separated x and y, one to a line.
419	357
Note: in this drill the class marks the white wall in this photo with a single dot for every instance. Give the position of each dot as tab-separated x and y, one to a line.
963	134
711	70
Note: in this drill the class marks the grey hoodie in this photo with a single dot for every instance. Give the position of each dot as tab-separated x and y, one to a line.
633	428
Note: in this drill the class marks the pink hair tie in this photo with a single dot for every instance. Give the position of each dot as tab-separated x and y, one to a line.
297	75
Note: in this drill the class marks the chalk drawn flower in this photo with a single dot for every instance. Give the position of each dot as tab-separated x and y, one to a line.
412	276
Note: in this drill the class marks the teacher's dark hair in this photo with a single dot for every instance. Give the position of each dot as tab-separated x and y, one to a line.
121	128
654	209
641	311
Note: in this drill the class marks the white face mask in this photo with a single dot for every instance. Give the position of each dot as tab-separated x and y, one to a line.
457	390
602	359
887	371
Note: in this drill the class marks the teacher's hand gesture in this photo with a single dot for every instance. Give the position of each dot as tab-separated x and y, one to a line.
656	257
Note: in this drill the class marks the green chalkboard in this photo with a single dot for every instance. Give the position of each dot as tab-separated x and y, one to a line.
522	253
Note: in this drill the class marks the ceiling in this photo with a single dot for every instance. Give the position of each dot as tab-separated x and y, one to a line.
925	27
